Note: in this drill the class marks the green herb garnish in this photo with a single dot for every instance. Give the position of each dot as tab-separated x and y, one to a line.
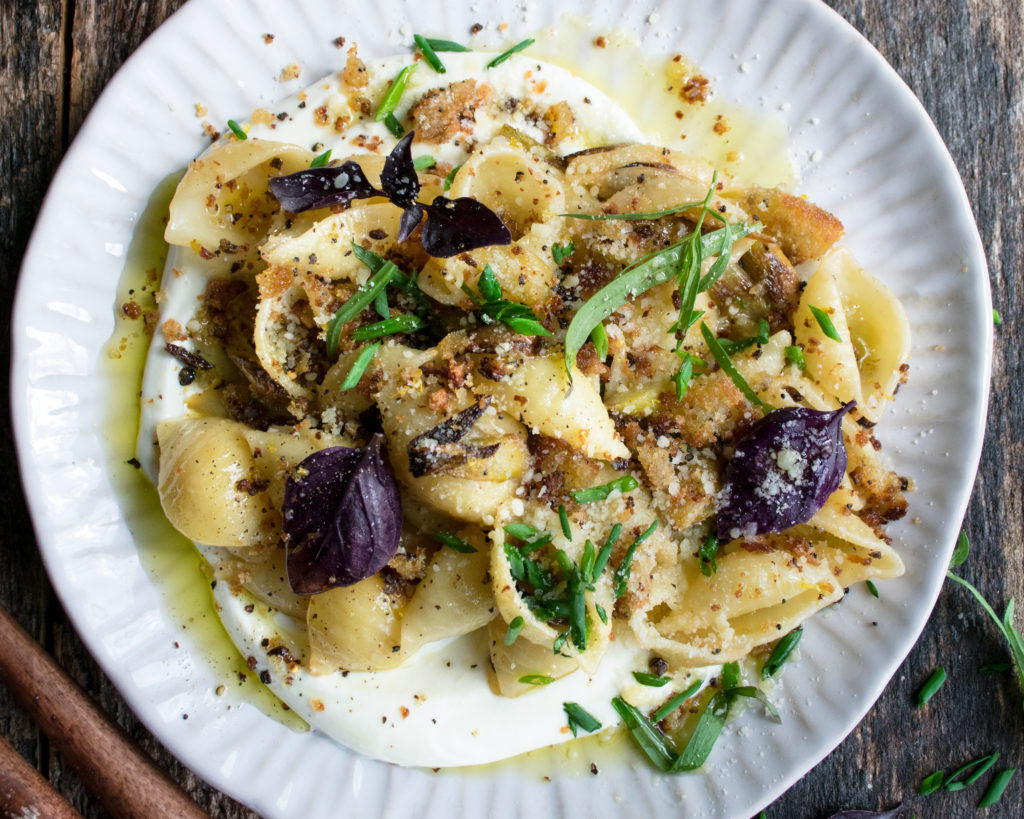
322	160
394	94
456	544
561	252
934	683
513	630
361	299
634	217
1012	635
781	653
627	483
730	369
996	668
621	576
795	353
563	519
236	129
652	680
394	126
931	783
871	588
579	718
533	538
600	339
652	742
762	337
359	366
995	790
451	177
606	550
406	323
428	54
954	783
506	54
730	675
996	318
445	45
708	554
493	308
421	163
674	702
825	323
536	679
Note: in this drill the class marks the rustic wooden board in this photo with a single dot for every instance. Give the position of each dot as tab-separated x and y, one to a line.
964	60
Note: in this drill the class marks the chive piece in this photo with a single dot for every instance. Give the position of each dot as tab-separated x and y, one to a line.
579	717
563	518
730	675
359	366
322	160
871	588
536	679
995	790
931	783
825	323
445	45
451	177
646	216
428	54
236	129
653	680
963	548
560	252
394	94
996	668
996	318
627	483
683	376
533	538
707	554
722	262
362	298
600	338
421	163
394	126
513	630
673	703
606	550
456	544
406	323
731	371
621	576
705	734
494	308
651	741
601	613
506	54
934	683
380	304
781	653
794	353
986	762
751	692
559	643
654	269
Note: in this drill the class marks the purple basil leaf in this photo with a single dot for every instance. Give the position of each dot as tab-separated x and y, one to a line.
411	217
322	187
342	518
868	814
399	178
455	226
783	471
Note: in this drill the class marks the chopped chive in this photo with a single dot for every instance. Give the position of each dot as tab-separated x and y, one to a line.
980	765
361	299
601	613
632	217
652	742
533	538
451	177
359	366
934	683
536	679
931	783
673	703
322	160
781	653
871	588
825	323
579	717
606	550
996	668
795	354
960	552
707	554
627	483
513	630
621	576
380	304
421	163
428	54
445	45
995	790
394	94
394	126
456	544
730	369
600	338
705	734
236	129
996	318
406	323
506	54
559	643
653	680
730	675
560	252
563	518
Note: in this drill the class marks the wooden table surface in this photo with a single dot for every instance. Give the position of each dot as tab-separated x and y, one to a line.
963	58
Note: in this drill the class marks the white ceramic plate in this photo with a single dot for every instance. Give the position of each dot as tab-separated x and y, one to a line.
867	151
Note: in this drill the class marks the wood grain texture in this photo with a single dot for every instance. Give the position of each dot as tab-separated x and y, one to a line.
962	58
